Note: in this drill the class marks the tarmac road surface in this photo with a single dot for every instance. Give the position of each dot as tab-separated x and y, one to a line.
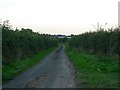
54	71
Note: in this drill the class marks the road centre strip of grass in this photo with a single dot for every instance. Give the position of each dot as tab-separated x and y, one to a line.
15	68
91	72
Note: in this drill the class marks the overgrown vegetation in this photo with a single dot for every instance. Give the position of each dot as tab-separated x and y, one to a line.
23	43
101	42
92	72
22	49
95	57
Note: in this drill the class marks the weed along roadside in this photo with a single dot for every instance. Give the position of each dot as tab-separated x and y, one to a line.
94	55
23	49
91	72
13	69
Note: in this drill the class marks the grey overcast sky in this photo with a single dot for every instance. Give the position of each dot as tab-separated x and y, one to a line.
59	16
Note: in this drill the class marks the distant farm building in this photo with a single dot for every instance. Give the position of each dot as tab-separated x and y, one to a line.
63	36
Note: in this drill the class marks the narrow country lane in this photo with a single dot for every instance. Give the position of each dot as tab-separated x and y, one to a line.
55	71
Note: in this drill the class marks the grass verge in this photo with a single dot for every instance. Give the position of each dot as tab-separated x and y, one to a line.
91	72
15	68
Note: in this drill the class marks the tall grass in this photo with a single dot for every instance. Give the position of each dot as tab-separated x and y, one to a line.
91	72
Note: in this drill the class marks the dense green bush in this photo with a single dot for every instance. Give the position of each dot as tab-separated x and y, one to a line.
21	43
101	42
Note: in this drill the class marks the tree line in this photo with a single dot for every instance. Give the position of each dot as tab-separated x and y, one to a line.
101	42
17	44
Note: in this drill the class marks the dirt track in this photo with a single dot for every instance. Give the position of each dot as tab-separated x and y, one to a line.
55	71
